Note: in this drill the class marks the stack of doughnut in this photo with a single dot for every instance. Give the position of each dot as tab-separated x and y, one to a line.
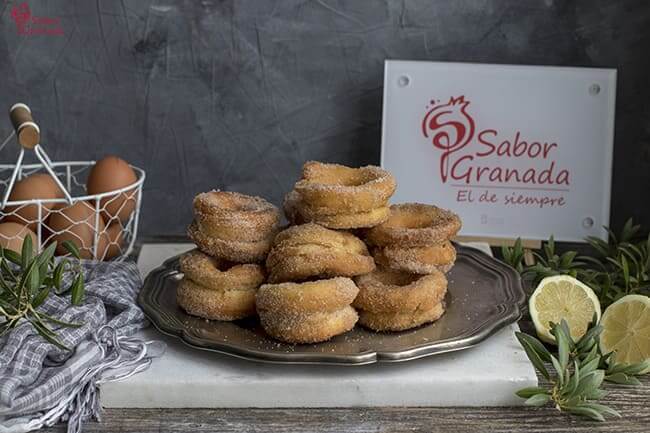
233	233
233	226
310	292
413	249
319	278
415	238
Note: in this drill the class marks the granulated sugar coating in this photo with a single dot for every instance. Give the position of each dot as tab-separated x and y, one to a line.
311	296
419	260
384	291
308	328
415	224
311	251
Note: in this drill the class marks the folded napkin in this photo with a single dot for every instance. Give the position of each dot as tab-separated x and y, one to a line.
41	384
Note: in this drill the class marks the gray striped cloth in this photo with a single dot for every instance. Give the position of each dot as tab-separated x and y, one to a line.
41	384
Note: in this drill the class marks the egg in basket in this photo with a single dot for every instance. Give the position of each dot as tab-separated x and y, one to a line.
95	205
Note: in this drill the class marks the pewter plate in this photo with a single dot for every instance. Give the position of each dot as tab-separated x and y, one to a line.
484	295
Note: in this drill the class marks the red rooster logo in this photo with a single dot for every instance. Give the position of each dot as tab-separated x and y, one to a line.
449	127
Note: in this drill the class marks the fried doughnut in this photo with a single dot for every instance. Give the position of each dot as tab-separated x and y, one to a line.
231	216
212	304
400	321
385	291
309	297
333	188
235	251
296	213
419	260
308	328
415	224
218	274
309	250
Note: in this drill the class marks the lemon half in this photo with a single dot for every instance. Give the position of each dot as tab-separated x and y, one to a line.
626	329
562	297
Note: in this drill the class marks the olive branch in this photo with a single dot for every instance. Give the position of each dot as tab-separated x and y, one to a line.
576	373
26	281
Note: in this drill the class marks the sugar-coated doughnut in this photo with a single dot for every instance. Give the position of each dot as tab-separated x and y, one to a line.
308	297
308	328
218	274
235	251
400	321
385	291
232	216
419	260
309	250
415	224
297	213
207	303
335	188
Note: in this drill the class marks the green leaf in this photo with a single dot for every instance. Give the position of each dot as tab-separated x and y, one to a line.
623	379
77	290
568	258
636	368
626	271
538	400
11	309
47	254
27	252
57	275
562	340
531	391
596	394
13	257
24	278
40	297
34	279
605	410
72	248
593	330
586	411
590	382
533	355
572	383
56	321
536	345
590	366
48	334
558	369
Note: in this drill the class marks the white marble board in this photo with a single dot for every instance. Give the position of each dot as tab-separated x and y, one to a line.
486	375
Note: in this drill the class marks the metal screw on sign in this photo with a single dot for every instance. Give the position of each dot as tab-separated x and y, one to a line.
28	136
594	89
588	222
403	81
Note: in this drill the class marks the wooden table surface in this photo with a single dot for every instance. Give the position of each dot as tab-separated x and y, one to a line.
632	402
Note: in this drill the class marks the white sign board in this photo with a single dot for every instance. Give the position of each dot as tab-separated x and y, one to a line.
516	151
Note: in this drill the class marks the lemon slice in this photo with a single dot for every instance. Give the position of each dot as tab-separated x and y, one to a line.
562	297
626	329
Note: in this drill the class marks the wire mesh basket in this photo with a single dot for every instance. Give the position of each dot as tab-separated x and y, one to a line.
103	226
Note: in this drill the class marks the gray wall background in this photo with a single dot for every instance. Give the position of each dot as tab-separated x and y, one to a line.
236	94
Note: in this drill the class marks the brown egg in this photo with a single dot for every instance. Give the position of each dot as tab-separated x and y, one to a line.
110	242
35	186
108	174
12	236
76	223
